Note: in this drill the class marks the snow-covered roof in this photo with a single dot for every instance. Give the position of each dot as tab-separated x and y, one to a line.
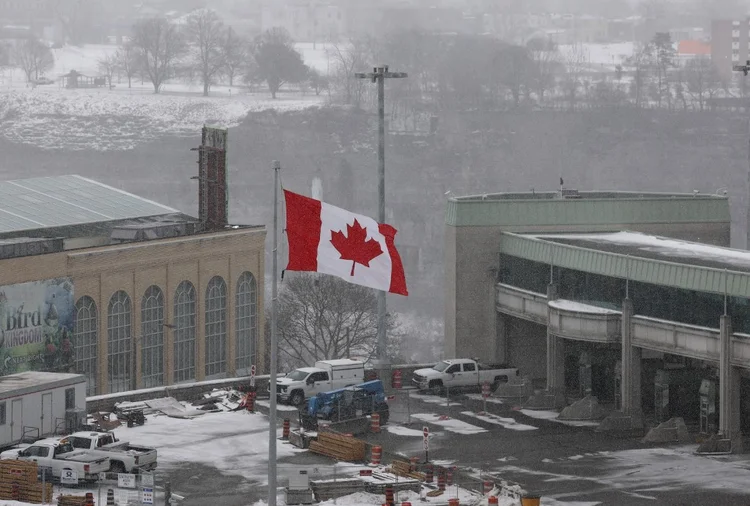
58	201
579	307
659	248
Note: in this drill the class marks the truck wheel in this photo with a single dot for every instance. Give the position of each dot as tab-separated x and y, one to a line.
117	467
385	414
297	398
436	387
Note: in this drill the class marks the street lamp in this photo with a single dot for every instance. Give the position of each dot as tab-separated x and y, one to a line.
379	75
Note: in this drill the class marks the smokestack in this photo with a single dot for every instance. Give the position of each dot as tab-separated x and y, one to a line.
213	181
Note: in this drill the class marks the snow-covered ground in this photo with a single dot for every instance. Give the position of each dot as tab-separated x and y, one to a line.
123	117
235	443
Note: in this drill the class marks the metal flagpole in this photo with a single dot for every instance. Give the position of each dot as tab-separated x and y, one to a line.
273	343
379	75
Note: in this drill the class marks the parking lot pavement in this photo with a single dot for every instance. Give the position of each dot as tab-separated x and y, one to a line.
567	462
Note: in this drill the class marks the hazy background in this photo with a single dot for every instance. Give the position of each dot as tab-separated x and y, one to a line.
502	95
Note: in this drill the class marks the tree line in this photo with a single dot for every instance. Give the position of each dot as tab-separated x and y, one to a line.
204	48
464	72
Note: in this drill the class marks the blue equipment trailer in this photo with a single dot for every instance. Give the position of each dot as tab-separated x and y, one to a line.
347	403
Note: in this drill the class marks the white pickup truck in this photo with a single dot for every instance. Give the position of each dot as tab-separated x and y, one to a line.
462	373
57	455
124	457
327	375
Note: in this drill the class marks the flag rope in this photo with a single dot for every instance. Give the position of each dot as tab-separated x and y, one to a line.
284	243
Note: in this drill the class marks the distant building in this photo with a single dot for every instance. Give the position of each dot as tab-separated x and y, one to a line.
691	50
729	44
305	20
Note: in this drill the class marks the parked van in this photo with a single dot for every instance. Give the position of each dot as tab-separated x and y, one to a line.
325	376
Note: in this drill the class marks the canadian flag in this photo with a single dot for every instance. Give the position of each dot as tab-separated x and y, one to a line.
330	240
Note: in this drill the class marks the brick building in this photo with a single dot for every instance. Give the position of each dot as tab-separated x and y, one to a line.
129	292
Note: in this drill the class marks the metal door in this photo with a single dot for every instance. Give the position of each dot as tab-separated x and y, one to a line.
16	419
47	420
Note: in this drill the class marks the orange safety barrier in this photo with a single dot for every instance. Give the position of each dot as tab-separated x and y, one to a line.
492	500
377	455
488	486
396	379
389	496
375	423
453	502
285	430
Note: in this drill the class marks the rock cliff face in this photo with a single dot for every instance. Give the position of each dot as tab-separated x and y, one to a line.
471	152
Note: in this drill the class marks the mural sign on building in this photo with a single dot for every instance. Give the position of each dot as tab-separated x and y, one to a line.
36	326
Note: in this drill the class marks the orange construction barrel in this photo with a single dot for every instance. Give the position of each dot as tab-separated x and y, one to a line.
492	501
453	502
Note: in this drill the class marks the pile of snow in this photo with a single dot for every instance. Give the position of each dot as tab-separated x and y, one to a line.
235	443
119	119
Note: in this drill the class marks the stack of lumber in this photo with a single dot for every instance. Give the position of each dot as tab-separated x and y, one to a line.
339	447
71	500
18	481
401	468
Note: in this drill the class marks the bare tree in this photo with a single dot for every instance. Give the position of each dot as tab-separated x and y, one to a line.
234	54
128	62
159	44
640	63
205	34
34	58
702	79
546	64
323	317
346	59
317	82
107	66
575	61
515	70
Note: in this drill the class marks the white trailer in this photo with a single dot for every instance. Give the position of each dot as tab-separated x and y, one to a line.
37	404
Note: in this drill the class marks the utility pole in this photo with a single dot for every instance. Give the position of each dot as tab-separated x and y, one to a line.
379	75
745	69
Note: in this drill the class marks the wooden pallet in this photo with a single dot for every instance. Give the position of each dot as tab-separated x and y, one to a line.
344	448
71	500
403	469
32	494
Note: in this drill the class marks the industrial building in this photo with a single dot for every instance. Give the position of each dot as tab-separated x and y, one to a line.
632	297
123	290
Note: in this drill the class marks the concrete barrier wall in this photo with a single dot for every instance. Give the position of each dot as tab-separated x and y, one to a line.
194	391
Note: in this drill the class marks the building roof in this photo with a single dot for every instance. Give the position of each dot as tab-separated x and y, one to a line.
598	210
35	381
693	48
639	257
658	248
62	201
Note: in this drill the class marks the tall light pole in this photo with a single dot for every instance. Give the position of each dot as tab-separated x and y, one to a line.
745	69
379	75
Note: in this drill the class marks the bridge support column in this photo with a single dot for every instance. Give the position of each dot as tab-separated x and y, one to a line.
555	355
630	385
729	388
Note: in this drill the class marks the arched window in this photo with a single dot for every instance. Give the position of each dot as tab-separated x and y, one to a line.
184	332
246	322
85	341
152	333
120	358
216	327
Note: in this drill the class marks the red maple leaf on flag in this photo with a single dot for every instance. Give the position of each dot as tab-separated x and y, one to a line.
354	245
